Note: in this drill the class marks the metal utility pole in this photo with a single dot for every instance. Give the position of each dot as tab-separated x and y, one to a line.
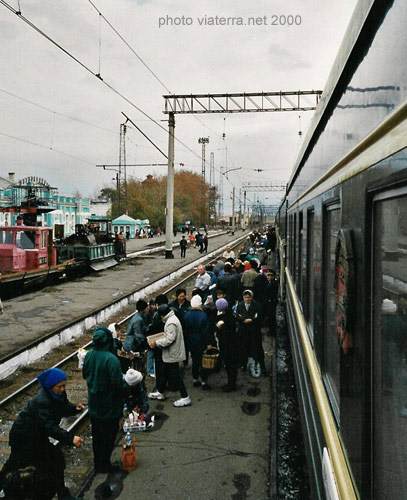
220	209
212	171
244	211
203	141
169	211
233	210
122	162
298	100
240	207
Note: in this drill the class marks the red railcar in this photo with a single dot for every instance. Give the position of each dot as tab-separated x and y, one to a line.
26	248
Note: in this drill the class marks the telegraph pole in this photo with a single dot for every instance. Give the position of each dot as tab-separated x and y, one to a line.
169	211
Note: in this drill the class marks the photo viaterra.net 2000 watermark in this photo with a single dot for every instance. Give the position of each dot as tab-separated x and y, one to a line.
205	20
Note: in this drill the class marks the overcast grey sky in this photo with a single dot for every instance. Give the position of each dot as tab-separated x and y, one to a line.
190	58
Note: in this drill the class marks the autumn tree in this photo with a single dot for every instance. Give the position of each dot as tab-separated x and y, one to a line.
147	199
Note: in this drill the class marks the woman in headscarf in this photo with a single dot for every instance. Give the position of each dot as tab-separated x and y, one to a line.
37	422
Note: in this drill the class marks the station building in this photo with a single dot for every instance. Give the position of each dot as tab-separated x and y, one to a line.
62	211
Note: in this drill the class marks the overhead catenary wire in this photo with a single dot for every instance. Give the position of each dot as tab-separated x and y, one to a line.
74	118
74	58
145	64
129	46
84	66
47	37
45	147
145	135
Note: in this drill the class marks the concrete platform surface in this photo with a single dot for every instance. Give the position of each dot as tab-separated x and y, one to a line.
218	448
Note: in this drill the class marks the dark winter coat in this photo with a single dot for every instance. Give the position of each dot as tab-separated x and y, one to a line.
103	375
254	313
135	396
40	419
180	311
271	293
230	283
196	327
228	338
136	334
260	283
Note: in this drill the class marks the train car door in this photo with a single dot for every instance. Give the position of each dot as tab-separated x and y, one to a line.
389	346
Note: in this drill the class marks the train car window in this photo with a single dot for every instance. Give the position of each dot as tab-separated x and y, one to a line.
6	237
299	261
44	236
310	269
25	240
290	241
294	260
389	346
332	224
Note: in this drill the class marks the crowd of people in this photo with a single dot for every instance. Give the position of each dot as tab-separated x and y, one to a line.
231	301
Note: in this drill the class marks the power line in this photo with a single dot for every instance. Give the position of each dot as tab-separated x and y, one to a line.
45	147
145	135
129	46
57	113
84	66
42	33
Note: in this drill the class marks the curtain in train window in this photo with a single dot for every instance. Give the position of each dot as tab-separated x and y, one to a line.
389	374
331	341
310	268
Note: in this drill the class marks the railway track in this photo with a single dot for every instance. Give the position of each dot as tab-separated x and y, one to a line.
77	327
16	390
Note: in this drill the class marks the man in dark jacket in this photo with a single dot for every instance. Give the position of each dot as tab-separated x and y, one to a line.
106	386
183	245
249	317
230	283
38	421
136	331
271	301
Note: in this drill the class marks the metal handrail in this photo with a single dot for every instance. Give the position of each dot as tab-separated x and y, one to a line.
346	489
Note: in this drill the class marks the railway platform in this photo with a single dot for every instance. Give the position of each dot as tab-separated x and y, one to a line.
222	446
30	316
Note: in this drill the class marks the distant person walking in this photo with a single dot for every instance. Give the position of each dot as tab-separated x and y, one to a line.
205	243
183	245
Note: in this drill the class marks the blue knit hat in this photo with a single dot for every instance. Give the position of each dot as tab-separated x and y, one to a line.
51	377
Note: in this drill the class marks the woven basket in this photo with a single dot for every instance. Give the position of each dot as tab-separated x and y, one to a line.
210	358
